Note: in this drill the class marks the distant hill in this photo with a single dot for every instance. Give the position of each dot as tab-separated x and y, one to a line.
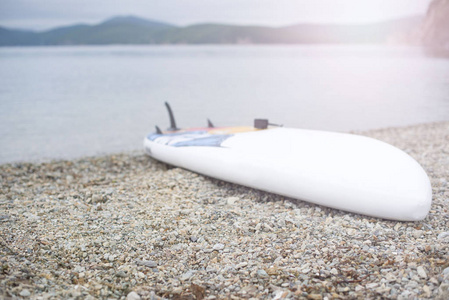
134	30
12	37
128	20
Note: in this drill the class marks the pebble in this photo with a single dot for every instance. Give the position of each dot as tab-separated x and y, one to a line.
125	226
232	200
421	272
443	235
187	275
241	265
418	233
133	296
121	274
147	263
443	292
372	285
427	291
262	274
389	277
218	247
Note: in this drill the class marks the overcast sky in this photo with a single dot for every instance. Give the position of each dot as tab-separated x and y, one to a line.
45	14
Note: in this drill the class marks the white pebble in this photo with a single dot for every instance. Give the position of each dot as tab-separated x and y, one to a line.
262	274
417	233
443	235
25	293
232	200
218	247
372	285
133	296
421	272
187	275
241	265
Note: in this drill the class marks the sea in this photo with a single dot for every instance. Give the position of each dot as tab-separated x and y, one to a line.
70	102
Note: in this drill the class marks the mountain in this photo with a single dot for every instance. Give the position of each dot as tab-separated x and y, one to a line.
117	30
12	37
134	30
435	33
123	20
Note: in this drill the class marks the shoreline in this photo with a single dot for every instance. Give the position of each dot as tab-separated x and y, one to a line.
124	225
73	158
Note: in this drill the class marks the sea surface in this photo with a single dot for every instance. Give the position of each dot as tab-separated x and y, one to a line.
67	102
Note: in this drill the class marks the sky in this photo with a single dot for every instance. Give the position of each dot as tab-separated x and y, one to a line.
46	14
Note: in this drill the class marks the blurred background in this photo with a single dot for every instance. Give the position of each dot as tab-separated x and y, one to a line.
90	77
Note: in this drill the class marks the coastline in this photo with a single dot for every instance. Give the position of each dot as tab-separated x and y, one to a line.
124	225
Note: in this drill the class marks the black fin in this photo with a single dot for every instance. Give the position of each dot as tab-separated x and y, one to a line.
158	130
263	124
209	124
172	118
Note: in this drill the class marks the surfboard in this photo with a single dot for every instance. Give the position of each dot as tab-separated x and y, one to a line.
339	170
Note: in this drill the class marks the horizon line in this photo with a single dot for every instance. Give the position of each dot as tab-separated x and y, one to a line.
213	23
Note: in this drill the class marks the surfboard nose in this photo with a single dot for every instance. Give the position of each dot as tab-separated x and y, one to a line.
405	192
416	202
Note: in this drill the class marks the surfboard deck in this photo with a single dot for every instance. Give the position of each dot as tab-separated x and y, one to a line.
338	170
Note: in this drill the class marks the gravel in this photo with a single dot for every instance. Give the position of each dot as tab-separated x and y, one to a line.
125	226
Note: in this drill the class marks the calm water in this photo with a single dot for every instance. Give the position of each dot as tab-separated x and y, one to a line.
64	102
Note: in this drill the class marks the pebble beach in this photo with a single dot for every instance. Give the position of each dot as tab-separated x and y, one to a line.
125	226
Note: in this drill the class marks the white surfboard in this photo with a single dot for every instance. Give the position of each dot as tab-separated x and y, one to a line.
343	171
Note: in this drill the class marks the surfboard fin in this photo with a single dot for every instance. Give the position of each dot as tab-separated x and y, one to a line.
158	130
209	124
172	118
263	124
